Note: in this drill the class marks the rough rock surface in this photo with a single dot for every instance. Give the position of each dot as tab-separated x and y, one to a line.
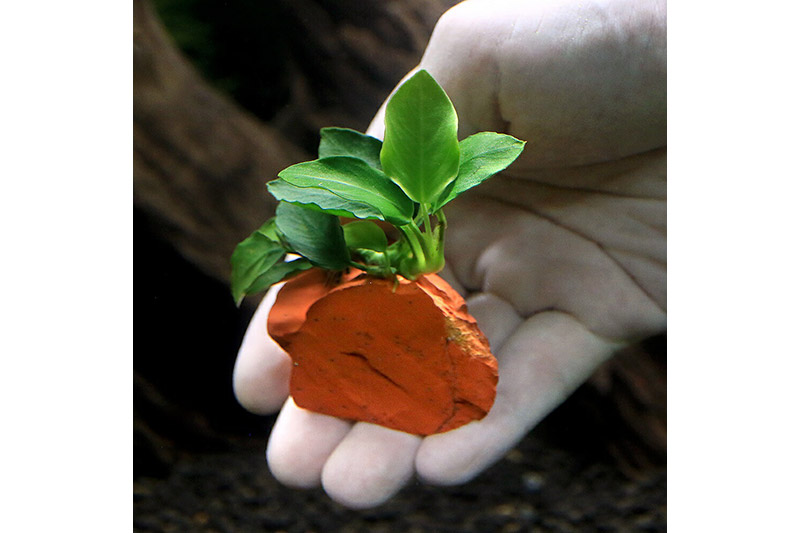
408	357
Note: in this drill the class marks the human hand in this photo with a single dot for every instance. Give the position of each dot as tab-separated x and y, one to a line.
562	257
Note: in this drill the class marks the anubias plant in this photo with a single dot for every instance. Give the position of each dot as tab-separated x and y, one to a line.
404	181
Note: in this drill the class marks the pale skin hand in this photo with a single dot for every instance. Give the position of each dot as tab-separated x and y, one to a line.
563	257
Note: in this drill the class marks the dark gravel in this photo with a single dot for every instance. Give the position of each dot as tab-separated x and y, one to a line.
536	487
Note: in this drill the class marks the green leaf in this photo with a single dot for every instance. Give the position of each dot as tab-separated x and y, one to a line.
420	146
362	234
280	271
316	236
252	258
482	156
321	200
270	230
344	141
354	181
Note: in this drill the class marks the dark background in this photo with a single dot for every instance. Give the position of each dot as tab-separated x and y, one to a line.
597	463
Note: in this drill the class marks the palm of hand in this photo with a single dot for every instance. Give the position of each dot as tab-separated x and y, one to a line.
587	242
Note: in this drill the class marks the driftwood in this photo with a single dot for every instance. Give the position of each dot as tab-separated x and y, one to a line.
629	402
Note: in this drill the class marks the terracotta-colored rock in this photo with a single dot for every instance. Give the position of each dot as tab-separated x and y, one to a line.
409	358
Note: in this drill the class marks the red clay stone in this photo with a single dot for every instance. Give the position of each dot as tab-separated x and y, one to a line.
409	358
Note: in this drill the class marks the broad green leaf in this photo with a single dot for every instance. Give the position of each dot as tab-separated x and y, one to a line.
252	258
365	235
344	141
482	156
420	146
269	230
316	236
353	180
280	271
321	200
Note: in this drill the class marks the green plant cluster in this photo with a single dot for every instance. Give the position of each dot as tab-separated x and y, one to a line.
404	181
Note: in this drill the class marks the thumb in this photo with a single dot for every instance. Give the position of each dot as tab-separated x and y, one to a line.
540	364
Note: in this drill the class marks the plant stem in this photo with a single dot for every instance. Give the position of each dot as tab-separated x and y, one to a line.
359	266
441	218
427	248
426	219
441	226
415	240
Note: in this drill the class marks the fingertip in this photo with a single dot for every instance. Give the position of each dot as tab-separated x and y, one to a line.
369	466
300	443
459	455
261	384
262	369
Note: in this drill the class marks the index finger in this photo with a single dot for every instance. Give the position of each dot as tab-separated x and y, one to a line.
262	369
